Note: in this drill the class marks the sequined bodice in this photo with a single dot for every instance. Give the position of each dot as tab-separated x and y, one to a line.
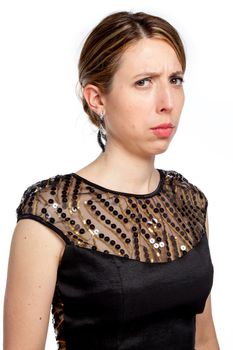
111	227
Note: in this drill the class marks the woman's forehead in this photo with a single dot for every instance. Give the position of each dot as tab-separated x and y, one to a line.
149	56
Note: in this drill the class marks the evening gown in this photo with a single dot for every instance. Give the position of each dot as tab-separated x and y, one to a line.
136	268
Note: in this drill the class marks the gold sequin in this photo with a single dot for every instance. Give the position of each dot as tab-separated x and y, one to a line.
160	227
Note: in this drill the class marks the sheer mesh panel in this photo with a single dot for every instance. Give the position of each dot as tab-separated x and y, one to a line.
156	228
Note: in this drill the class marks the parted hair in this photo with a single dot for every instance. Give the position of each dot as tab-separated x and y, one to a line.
106	43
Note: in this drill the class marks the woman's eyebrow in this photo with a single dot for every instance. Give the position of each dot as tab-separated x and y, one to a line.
155	74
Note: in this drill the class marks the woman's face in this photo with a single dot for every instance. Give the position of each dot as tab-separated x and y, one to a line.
140	100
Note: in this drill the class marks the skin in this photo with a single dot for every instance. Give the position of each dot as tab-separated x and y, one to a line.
31	277
206	337
131	110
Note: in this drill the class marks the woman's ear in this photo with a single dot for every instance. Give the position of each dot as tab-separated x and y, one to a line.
93	97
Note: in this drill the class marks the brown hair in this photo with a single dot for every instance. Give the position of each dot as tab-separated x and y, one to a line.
105	44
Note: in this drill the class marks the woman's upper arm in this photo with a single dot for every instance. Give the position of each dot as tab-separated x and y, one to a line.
32	271
205	329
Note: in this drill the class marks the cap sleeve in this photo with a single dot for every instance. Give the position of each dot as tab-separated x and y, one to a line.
199	198
40	202
202	200
188	194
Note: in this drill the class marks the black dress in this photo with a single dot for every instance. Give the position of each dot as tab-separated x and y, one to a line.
136	268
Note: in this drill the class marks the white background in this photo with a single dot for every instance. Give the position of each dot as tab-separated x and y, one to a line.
45	132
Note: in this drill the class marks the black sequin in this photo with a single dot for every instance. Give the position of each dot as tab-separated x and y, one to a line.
139	259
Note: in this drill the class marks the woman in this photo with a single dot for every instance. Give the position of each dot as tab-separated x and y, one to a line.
118	248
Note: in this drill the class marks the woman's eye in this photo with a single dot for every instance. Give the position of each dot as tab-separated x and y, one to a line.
178	78
141	81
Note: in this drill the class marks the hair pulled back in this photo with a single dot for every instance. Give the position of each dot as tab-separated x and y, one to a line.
106	43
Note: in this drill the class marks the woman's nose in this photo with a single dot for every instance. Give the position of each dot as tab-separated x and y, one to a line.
164	98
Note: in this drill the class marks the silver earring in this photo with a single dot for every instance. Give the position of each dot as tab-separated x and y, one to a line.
102	133
102	128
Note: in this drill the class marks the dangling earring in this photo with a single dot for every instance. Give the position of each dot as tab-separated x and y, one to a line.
102	132
102	128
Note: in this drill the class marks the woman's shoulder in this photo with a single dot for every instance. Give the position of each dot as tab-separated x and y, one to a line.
46	201
36	189
180	179
183	186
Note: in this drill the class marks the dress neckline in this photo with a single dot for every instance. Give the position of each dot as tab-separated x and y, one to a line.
156	191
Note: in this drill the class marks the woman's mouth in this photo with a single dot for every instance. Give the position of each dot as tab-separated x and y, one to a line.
163	131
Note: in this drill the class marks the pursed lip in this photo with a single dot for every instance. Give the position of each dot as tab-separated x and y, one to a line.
163	126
